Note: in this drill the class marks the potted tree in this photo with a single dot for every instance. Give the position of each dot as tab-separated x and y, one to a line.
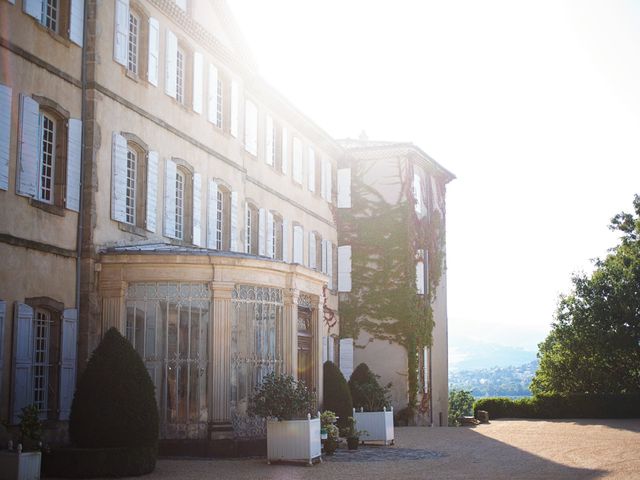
292	435
375	414
24	462
331	435
352	434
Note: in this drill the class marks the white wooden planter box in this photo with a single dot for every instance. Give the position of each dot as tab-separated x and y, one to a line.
378	425
293	440
19	466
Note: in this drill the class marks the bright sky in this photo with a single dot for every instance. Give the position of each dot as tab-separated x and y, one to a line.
534	105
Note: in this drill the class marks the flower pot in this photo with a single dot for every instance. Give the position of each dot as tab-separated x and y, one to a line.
330	446
378	426
352	443
20	466
293	440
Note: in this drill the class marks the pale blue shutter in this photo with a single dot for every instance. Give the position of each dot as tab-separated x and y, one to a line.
76	21
251	128
285	241
198	81
74	158
212	214
29	150
330	264
235	247
298	245
119	178
270	245
171	65
311	176
312	250
285	150
5	135
344	268
68	356
22	359
268	141
235	105
329	182
33	8
262	220
426	271
170	199
331	354
323	179
152	190
212	95
420	277
346	357
121	32
297	160
154	51
197	209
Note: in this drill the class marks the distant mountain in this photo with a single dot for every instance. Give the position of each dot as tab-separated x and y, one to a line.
508	381
469	354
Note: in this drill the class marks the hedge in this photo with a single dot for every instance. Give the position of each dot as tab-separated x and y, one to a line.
562	406
99	462
337	396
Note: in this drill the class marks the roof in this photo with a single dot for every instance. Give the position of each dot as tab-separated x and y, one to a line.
168	249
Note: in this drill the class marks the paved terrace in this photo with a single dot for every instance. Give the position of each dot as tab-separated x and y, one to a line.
504	449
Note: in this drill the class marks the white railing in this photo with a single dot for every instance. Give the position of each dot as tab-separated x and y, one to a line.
293	440
377	425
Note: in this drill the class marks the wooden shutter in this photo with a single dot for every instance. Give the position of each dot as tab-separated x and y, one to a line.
268	141
251	128
311	177
170	198
297	160
74	159
154	51
270	235
312	250
198	81
121	32
262	221
76	21
285	241
344	268
346	357
5	135
152	190
344	188
22	359
285	150
235	99
298	245
235	247
29	147
68	356
171	65
212	95
197	209
119	178
212	214
33	8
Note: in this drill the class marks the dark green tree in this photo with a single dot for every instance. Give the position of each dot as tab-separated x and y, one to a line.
337	396
460	404
366	392
594	344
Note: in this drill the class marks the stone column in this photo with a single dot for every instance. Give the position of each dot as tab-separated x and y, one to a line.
290	332
316	353
220	352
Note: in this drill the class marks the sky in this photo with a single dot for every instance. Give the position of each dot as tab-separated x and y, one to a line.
533	105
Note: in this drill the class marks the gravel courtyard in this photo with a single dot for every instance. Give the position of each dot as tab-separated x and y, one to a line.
504	449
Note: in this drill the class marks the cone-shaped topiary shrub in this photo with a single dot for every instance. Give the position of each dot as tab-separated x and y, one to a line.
366	392
114	403
337	397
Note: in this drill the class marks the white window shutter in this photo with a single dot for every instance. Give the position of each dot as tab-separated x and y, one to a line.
298	245
119	178
324	349
74	157
154	51
212	95
312	250
170	198
5	135
329	182
330	264
235	105
198	81
76	21
346	357
29	148
426	271
344	268
331	344
22	359
344	188
420	277
285	150
323	256
311	183
68	356
270	252
285	241
297	160
212	214
235	247
121	32
152	190
323	179
251	128
262	224
268	141
33	8
171	65
197	209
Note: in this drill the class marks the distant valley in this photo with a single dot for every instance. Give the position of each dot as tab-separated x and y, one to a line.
509	381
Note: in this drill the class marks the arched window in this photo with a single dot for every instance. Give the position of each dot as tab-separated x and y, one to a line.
179	201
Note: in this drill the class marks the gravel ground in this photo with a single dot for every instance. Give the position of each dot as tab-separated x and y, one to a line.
504	449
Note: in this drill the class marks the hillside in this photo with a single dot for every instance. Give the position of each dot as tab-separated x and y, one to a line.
496	381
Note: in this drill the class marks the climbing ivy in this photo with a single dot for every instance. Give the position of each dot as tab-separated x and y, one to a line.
385	237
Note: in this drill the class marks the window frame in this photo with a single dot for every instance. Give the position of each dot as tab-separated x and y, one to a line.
141	149
252	227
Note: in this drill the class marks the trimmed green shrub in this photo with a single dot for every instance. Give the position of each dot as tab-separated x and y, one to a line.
365	390
114	404
460	404
563	406
281	397
337	396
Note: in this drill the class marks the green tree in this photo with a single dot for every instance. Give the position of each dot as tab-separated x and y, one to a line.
460	403
594	344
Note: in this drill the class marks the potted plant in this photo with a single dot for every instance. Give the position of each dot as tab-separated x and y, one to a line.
372	399
24	462
332	438
292	435
352	434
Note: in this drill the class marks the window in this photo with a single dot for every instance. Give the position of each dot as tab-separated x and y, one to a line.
180	80
132	50
277	236
50	14
132	167
298	244
251	231
47	157
182	202
251	128
180	187
58	16
220	201
297	160
223	219
219	100
318	251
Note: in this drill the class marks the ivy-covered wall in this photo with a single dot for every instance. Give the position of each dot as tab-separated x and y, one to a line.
385	234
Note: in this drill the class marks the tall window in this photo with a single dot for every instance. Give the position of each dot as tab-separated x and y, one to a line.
133	43
130	204
41	362
180	197
251	231
47	158
219	219
180	69
50	14
219	103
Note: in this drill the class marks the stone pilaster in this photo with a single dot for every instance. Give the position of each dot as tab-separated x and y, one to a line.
290	333
316	328
113	307
220	352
